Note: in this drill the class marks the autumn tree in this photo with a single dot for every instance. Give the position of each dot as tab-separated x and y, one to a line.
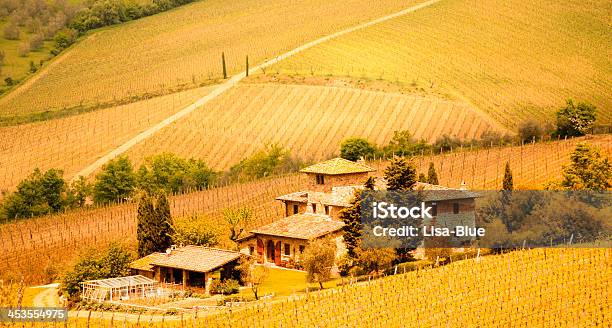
238	220
575	120
589	169
252	275
318	260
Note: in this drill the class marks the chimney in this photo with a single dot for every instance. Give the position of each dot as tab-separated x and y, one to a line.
463	186
361	160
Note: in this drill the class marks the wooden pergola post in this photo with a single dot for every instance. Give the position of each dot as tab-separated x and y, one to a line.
185	277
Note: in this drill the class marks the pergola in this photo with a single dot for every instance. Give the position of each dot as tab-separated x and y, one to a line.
121	288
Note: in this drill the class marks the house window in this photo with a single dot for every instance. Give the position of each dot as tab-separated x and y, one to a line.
434	209
287	250
326	210
455	208
296	209
302	249
251	250
314	208
320	179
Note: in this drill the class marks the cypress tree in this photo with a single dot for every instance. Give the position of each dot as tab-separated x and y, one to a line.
163	224
224	68
432	176
351	216
370	183
400	174
247	65
508	183
146	213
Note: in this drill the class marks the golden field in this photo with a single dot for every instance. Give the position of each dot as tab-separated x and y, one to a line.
55	240
535	288
181	49
72	143
515	60
310	121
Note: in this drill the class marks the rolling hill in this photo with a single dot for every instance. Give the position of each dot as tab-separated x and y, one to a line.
180	49
516	60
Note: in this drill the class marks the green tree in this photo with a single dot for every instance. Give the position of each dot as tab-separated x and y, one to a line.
116	182
171	174
508	183
355	148
351	216
575	120
39	194
78	192
318	260
400	174
422	178
432	176
588	169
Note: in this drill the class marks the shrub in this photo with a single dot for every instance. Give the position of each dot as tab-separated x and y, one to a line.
197	230
270	161
225	287
36	42
530	130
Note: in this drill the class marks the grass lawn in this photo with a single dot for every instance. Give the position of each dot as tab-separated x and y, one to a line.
283	282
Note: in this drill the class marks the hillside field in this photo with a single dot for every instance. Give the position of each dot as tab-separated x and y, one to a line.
72	143
535	288
55	240
515	60
310	121
181	49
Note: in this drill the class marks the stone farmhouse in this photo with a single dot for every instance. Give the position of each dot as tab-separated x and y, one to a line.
313	214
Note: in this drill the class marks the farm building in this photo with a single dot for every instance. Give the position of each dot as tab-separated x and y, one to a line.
117	289
188	266
314	213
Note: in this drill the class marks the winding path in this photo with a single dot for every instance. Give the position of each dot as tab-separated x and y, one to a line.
222	88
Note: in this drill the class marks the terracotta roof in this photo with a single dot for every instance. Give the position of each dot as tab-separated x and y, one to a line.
305	226
340	196
337	166
434	192
196	258
144	263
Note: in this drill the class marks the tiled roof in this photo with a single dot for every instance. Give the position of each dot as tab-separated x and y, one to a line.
144	263
196	258
434	192
340	196
305	226
337	166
